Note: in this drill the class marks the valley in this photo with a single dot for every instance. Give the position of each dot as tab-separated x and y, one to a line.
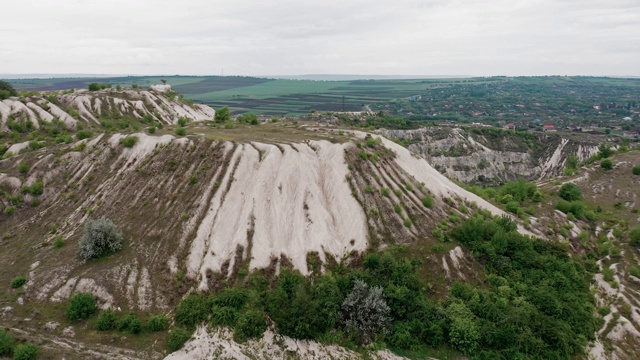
245	239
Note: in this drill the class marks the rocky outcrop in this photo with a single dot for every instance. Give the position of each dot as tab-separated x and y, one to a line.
71	107
492	156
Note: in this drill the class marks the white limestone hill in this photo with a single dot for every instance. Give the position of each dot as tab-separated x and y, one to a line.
85	106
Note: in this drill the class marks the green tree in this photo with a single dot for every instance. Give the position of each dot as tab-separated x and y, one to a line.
570	192
81	306
6	90
365	311
223	115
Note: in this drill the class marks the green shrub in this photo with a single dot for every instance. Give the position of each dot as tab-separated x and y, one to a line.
181	131
106	320
18	281
513	206
570	192
386	192
58	242
7	90
231	297
407	222
83	134
464	332
35	145
26	351
98	86
224	316
129	323
192	310
222	115
23	167
35	189
10	210
606	164
177	338
574	207
81	306
634	236
251	324
182	122
248	118
365	310
427	201
636	170
7	343
604	151
100	237
158	323
129	141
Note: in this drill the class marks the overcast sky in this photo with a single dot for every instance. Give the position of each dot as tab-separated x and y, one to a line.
292	37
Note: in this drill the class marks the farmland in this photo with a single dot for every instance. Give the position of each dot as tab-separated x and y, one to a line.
269	96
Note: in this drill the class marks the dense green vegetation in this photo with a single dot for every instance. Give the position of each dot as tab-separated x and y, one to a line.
535	302
81	306
6	90
517	196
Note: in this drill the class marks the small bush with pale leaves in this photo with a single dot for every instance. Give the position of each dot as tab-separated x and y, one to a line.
101	237
365	310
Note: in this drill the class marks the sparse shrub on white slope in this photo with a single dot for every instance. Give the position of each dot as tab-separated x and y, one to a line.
365	310
101	237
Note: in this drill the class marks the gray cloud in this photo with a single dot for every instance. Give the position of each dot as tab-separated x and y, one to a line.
433	37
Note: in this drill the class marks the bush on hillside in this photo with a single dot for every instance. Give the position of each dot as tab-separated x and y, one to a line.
83	134
606	164
158	323
192	310
26	351
98	86
130	323
248	118
570	192
18	281
7	343
81	306
365	311
129	141
605	151
223	115
634	236
101	237
251	324
106	320
177	339
636	170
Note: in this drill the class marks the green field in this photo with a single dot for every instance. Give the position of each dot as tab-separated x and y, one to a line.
268	96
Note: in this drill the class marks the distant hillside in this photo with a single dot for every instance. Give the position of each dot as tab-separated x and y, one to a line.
159	104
